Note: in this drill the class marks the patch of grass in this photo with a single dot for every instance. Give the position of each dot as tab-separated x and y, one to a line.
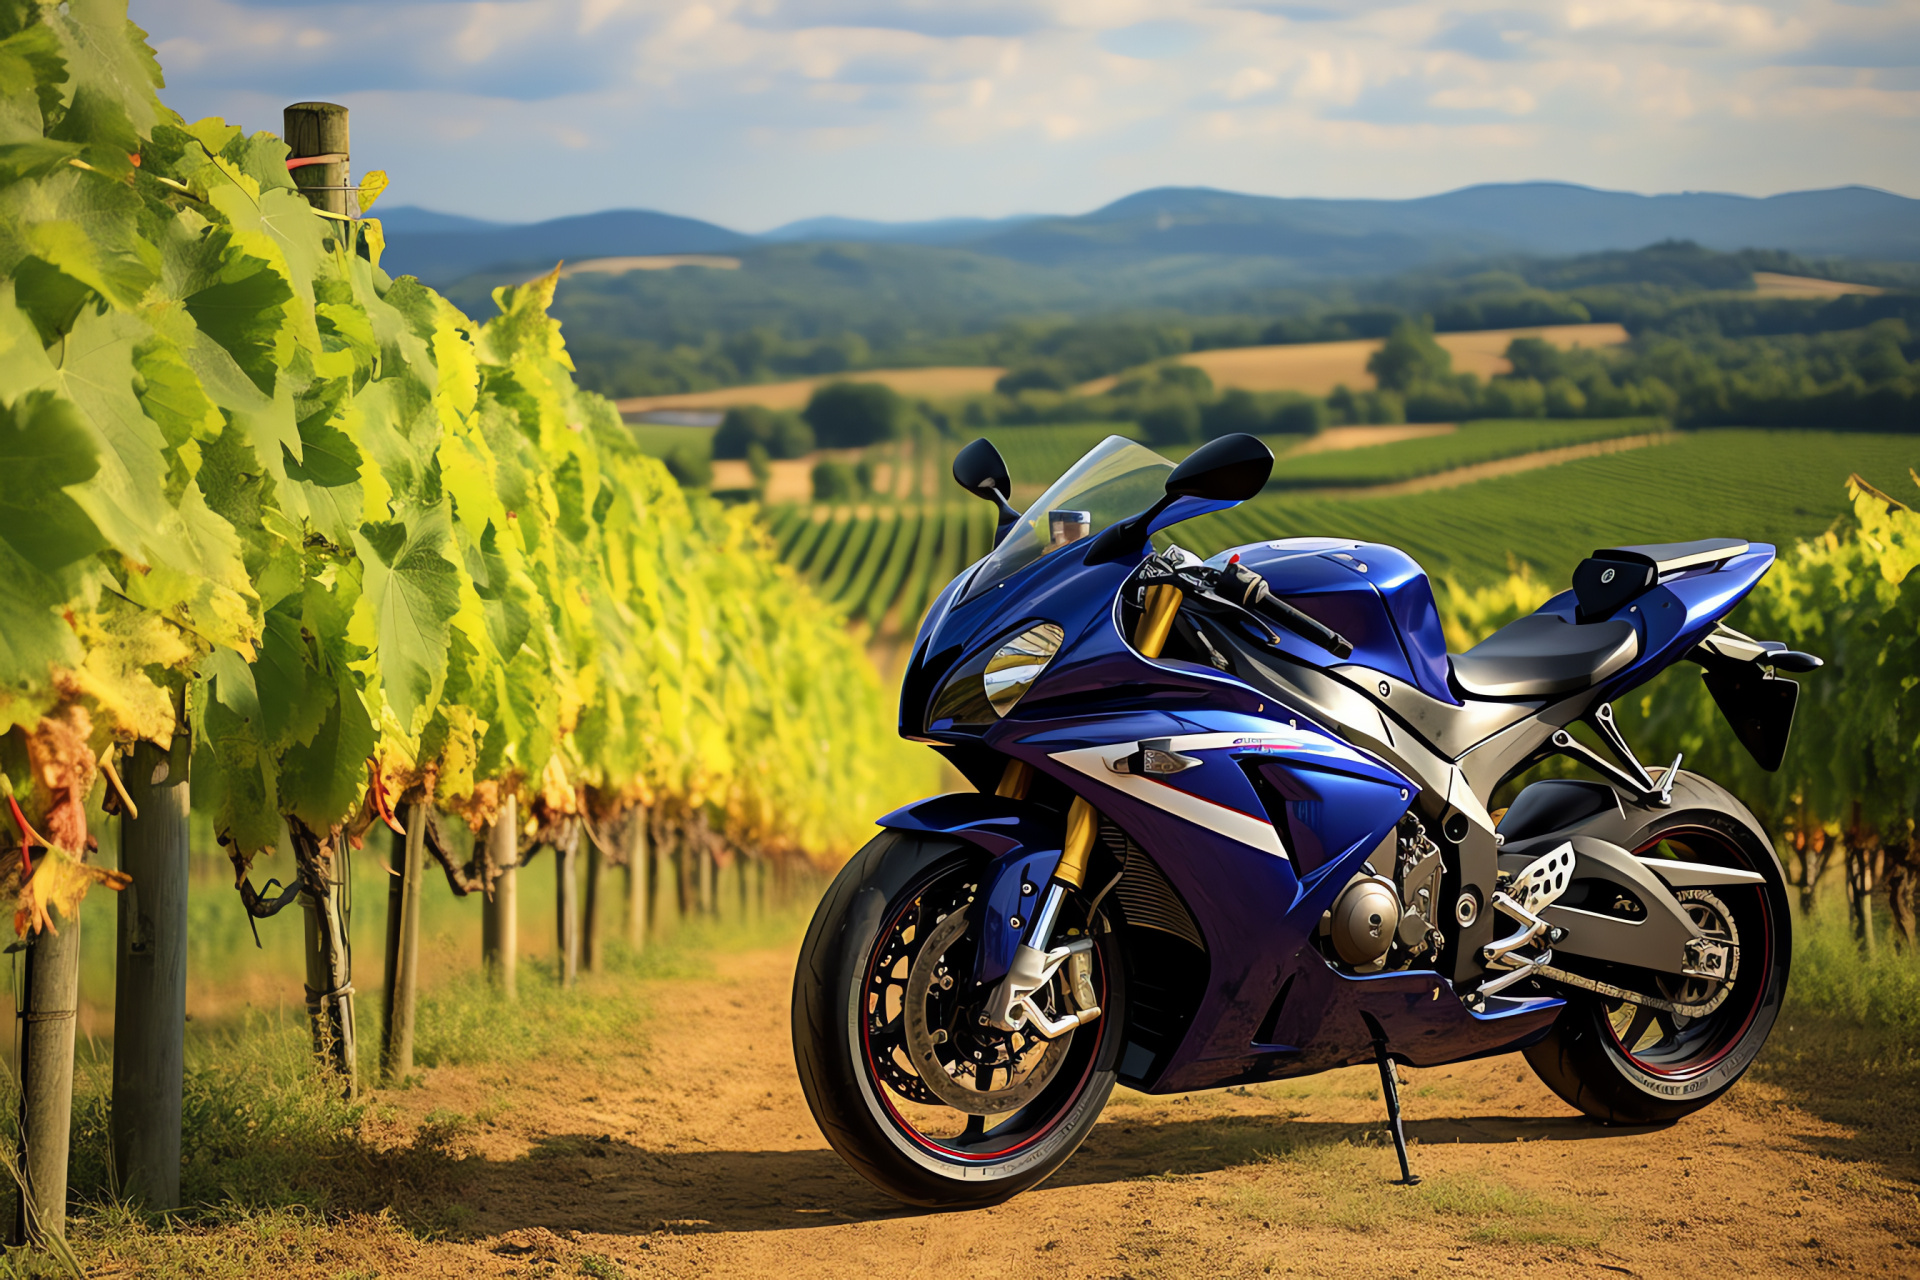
1834	978
1340	1184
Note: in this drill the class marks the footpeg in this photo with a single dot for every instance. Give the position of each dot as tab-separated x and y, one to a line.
1531	891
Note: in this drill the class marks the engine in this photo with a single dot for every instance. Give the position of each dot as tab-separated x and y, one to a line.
1387	919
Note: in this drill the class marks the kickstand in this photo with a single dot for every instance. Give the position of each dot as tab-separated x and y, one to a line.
1390	1088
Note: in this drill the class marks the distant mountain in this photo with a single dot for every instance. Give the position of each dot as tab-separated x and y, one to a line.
1346	236
1183	230
941	231
438	254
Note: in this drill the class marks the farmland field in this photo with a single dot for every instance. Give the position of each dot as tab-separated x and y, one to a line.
951	381
1767	486
1473	442
1317	367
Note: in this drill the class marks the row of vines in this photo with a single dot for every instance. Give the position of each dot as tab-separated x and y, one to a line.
1848	794
334	549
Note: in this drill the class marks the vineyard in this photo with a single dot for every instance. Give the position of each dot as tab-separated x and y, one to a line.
301	550
882	560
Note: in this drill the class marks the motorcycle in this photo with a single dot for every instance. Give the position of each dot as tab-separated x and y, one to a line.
1231	826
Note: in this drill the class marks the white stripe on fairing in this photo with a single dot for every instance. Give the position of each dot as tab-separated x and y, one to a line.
1097	763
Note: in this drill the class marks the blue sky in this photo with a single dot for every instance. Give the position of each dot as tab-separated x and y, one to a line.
753	113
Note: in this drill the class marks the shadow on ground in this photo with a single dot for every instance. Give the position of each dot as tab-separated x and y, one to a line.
582	1182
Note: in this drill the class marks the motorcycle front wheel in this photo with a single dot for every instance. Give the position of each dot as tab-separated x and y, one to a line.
904	1077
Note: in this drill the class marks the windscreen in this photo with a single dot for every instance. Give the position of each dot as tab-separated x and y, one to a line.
1116	479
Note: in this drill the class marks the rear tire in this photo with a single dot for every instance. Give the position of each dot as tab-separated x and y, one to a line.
1611	1062
865	1119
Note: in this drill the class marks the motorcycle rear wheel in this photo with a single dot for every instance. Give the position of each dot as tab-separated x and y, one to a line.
849	992
1624	1063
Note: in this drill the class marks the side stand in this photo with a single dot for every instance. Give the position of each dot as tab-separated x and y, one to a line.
1390	1089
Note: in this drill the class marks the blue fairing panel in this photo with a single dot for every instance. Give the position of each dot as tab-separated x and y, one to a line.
1022	838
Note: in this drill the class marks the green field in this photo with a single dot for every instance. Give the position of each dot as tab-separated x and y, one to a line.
1474	442
886	564
1767	486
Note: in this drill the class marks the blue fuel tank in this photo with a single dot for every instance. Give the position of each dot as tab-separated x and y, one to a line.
1373	594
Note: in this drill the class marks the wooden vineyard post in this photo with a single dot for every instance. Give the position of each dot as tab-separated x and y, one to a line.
566	904
707	870
150	985
499	917
590	938
638	855
324	894
320	129
403	947
46	1078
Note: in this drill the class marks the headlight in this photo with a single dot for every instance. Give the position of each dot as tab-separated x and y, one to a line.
1016	664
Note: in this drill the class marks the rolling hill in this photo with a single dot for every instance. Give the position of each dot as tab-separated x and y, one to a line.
1190	231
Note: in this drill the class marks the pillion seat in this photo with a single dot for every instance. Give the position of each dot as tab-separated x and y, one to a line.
1541	655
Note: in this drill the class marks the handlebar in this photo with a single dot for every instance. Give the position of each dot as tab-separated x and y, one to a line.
1246	588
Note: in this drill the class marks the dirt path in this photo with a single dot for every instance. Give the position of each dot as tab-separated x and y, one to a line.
1498	467
698	1157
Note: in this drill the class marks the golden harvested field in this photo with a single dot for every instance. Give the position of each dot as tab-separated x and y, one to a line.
656	262
1315	368
1771	284
955	380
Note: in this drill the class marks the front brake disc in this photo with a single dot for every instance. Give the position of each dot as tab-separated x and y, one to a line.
1025	1063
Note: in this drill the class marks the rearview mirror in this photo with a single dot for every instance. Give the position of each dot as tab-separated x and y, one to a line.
982	472
1230	469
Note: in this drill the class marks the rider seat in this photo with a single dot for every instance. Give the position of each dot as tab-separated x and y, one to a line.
1541	655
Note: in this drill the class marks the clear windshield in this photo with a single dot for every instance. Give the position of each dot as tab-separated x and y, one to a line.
1116	479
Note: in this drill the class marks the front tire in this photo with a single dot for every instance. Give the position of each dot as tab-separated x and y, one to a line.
1622	1063
848	1010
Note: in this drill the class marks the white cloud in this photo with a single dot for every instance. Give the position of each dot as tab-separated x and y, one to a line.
752	112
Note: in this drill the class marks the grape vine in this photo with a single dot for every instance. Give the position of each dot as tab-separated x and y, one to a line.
316	531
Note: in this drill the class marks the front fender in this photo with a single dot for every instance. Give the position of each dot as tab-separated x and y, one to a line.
1022	839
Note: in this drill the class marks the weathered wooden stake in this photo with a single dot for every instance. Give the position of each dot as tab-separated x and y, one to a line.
639	854
707	868
46	1079
567	908
150	985
403	946
590	938
499	917
320	129
324	891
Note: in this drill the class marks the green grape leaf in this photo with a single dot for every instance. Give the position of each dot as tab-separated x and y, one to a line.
244	310
232	683
44	447
93	367
294	696
412	592
329	469
99	126
31	73
34	640
23	357
109	55
86	226
171	395
321	780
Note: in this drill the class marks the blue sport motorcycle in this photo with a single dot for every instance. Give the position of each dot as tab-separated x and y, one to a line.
1232	826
